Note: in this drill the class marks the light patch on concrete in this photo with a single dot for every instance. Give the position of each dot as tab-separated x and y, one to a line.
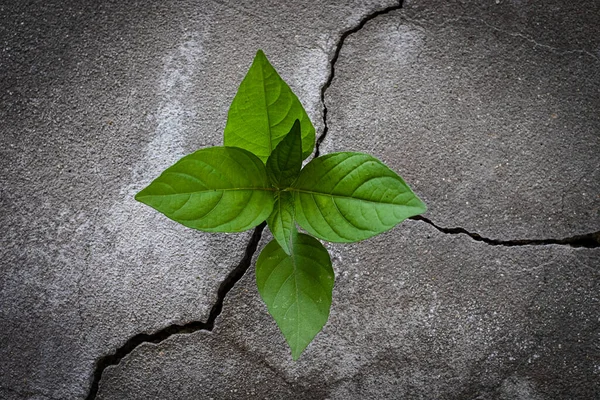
173	117
519	388
402	45
358	13
163	256
308	76
167	145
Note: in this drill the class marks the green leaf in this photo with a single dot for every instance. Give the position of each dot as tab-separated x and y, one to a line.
347	197
217	189
285	162
263	112
297	289
281	221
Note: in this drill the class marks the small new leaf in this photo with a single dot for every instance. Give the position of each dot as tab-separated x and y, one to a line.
347	197
217	189
281	221
296	288
285	162
263	111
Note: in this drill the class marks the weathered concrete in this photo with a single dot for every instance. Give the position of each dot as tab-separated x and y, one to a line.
96	98
492	104
489	110
416	315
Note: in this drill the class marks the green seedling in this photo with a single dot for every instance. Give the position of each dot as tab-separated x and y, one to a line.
258	176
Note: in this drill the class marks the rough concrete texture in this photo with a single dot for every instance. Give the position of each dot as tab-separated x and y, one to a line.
489	110
416	314
96	99
492	104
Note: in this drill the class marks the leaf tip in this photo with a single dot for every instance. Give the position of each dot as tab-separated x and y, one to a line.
422	206
139	195
297	349
260	55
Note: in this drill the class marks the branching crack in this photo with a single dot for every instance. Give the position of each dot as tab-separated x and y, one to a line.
334	59
234	276
590	240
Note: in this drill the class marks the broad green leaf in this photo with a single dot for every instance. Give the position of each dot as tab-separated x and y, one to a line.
285	162
297	289
217	189
263	112
281	221
347	197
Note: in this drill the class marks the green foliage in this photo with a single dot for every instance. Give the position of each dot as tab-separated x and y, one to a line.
285	163
296	288
258	175
263	111
281	221
218	189
283	167
346	197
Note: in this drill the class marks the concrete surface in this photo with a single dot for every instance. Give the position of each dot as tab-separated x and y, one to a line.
416	314
489	111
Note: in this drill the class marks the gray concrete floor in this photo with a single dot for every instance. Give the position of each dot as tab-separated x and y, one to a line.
490	111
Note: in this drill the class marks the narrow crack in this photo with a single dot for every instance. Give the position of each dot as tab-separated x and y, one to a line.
589	240
234	276
334	59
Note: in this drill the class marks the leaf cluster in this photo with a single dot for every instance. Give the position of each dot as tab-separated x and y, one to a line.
257	175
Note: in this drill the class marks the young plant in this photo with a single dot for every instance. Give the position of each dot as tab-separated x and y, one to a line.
258	175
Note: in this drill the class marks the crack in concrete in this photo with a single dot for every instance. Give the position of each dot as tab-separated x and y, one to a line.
132	343
235	275
589	240
334	59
